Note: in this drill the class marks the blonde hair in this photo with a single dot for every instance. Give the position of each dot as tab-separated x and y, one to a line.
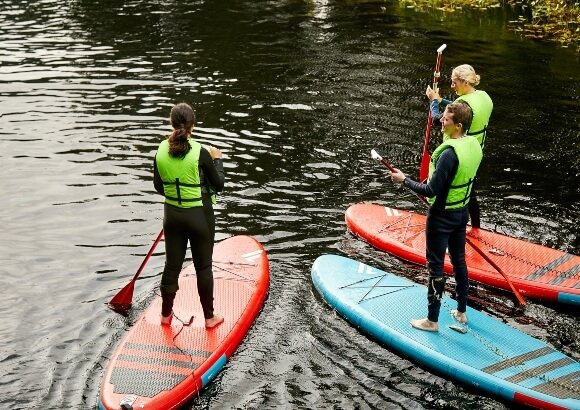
466	73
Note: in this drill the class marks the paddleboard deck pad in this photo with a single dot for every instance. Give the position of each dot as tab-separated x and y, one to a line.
490	356
536	271
161	367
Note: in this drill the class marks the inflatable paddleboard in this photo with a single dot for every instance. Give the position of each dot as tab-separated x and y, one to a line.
161	367
490	356
536	271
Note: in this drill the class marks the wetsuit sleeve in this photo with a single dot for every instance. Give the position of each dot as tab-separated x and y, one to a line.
447	164
157	181
438	107
213	170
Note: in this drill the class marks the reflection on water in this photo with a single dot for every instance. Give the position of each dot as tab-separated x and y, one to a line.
295	93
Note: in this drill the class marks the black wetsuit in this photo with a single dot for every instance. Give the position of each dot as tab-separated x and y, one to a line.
445	230
194	225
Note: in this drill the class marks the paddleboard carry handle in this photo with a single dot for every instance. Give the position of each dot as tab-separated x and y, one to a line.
127	402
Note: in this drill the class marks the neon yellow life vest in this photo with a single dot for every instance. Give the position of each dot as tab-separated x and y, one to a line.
180	176
469	154
481	107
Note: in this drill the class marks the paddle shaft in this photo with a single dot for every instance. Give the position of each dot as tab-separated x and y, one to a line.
157	240
497	268
123	299
389	166
424	169
474	247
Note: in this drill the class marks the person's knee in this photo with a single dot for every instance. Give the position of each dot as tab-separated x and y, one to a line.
168	288
202	266
169	282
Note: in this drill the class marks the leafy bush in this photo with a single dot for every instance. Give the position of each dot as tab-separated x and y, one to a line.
553	20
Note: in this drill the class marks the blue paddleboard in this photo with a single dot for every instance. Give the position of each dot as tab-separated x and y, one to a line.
490	356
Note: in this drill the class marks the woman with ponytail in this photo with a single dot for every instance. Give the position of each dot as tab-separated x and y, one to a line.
188	176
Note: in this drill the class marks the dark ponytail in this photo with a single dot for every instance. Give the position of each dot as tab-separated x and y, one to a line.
182	120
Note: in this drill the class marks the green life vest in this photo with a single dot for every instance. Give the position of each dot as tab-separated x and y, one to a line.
481	107
469	154
180	176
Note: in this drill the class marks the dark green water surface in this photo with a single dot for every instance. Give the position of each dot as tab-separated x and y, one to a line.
295	94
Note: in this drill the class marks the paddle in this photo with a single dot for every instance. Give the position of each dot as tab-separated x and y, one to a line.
375	155
497	268
426	158
123	299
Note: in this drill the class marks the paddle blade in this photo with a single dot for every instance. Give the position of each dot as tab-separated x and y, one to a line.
123	299
424	170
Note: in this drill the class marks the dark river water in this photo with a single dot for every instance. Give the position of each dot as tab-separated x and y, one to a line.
296	94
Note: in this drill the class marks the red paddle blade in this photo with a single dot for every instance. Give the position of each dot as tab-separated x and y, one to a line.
424	170
122	300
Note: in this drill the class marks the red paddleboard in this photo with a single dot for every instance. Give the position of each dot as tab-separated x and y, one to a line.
536	271
161	367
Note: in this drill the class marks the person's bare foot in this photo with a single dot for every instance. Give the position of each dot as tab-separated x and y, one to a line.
425	324
166	320
214	321
461	317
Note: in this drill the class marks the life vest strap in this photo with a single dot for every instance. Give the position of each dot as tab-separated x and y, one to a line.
180	200
466	197
461	201
478	132
178	184
462	185
483	131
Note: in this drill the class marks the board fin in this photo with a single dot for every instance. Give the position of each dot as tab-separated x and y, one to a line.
457	328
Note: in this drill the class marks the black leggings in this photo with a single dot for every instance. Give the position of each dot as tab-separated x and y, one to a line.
473	208
446	230
196	226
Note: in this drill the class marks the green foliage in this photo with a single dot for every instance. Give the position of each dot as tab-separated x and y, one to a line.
552	20
556	20
451	5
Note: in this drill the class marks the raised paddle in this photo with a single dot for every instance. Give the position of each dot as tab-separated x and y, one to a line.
519	297
123	299
426	157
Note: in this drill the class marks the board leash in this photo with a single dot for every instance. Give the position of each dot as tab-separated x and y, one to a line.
183	325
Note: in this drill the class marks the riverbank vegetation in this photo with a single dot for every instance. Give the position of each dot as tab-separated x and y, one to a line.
552	20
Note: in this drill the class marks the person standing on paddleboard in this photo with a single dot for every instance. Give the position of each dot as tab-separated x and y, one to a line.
452	171
188	175
464	79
